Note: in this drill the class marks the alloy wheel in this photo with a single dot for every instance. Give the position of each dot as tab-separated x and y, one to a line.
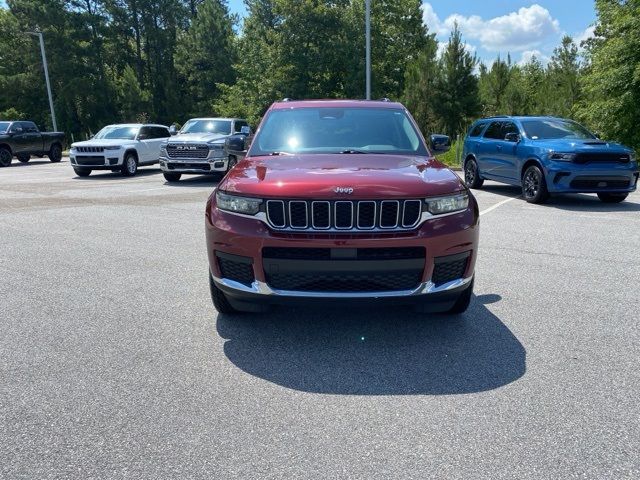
469	173
131	165
532	182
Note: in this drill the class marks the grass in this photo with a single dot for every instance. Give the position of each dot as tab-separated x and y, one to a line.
449	158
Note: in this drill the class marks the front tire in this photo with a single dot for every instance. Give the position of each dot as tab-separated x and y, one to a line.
232	162
5	157
55	153
82	172
219	300
472	175
171	177
23	157
612	197
534	186
129	165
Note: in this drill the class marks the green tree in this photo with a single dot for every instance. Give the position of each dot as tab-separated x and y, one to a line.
421	79
457	88
563	72
205	54
611	83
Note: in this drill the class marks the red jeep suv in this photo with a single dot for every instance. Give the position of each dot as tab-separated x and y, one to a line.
337	201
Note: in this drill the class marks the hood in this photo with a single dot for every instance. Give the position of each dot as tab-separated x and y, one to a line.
581	146
317	176
104	142
196	137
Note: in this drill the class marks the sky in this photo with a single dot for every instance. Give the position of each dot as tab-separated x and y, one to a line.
492	27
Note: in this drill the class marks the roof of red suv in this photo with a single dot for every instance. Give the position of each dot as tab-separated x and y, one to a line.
335	103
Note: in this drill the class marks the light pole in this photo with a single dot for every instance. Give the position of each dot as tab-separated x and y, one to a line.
46	76
368	42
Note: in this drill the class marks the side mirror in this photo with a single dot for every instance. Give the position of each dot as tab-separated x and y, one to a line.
512	137
439	143
143	136
16	130
173	130
245	130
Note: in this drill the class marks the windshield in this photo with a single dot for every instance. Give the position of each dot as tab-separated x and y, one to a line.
207	126
338	130
553	128
117	132
4	126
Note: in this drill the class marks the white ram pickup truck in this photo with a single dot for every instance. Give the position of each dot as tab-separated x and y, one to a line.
205	146
119	148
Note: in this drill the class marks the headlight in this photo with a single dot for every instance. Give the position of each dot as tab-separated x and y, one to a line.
113	147
563	157
163	146
233	203
452	203
633	157
217	148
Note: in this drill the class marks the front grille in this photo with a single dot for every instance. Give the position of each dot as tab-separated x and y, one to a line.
236	267
344	282
595	183
187	151
90	149
86	160
338	215
602	157
449	268
343	269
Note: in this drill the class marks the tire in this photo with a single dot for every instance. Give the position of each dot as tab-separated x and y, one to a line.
129	165
171	177
534	185
463	301
472	175
23	157
82	172
232	162
5	157
612	197
55	153
219	300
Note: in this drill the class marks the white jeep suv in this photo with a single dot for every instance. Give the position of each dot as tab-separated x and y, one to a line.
119	148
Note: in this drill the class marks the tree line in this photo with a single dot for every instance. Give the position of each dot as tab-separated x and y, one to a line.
168	60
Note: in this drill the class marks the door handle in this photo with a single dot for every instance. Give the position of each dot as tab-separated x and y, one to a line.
499	147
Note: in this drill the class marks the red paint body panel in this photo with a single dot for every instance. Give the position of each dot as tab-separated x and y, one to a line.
316	176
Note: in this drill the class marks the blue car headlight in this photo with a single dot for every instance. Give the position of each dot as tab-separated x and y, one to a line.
563	157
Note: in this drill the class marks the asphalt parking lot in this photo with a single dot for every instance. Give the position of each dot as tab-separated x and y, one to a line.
114	364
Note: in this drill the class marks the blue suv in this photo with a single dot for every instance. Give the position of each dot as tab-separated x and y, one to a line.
545	155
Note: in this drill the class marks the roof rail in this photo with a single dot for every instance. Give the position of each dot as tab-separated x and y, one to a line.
499	116
287	99
384	99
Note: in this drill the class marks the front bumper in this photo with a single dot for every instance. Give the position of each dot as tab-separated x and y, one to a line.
566	177
449	236
198	166
107	160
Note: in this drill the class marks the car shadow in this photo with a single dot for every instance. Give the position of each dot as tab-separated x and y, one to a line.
576	202
376	351
104	174
196	181
34	161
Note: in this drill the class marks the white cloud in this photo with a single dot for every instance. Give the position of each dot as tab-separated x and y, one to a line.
527	55
588	33
432	21
517	31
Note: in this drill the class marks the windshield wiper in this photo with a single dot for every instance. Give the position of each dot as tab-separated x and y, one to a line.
352	151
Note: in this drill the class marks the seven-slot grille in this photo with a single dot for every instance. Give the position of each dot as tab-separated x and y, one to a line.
343	215
187	151
90	149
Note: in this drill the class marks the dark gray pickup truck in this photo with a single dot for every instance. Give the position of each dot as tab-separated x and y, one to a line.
23	139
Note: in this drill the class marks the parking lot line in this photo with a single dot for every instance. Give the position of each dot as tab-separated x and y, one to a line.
499	204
